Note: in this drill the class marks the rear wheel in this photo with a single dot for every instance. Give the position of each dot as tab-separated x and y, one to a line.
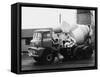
79	54
83	52
87	52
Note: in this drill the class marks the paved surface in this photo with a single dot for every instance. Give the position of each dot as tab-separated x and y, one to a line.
28	63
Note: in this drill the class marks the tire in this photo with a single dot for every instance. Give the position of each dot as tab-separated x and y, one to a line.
37	59
83	52
47	56
78	53
88	52
64	52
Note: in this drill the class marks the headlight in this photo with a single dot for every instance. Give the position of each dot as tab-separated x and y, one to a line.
32	52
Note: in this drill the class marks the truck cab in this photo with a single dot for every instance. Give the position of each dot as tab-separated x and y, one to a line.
41	45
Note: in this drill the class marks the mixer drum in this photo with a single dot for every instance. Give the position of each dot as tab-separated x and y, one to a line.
80	33
77	31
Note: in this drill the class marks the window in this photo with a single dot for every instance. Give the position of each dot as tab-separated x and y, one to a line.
46	35
37	36
27	41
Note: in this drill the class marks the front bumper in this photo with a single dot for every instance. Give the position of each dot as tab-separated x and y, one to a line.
35	52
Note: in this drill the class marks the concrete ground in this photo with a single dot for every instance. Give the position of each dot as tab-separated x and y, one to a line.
28	63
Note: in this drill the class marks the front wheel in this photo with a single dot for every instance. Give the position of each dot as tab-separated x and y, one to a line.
37	59
47	56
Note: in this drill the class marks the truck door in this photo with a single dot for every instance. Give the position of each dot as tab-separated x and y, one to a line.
47	41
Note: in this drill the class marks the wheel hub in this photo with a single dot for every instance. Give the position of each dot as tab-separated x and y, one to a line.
49	57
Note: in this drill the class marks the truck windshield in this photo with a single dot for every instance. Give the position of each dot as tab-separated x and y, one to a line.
37	36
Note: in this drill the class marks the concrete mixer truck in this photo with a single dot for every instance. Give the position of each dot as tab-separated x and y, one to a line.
47	43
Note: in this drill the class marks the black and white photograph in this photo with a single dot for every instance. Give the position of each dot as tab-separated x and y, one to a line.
54	38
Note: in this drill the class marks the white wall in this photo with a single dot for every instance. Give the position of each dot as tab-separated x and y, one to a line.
5	42
39	17
35	17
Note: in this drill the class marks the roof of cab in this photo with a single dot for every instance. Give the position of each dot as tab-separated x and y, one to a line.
42	30
27	33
